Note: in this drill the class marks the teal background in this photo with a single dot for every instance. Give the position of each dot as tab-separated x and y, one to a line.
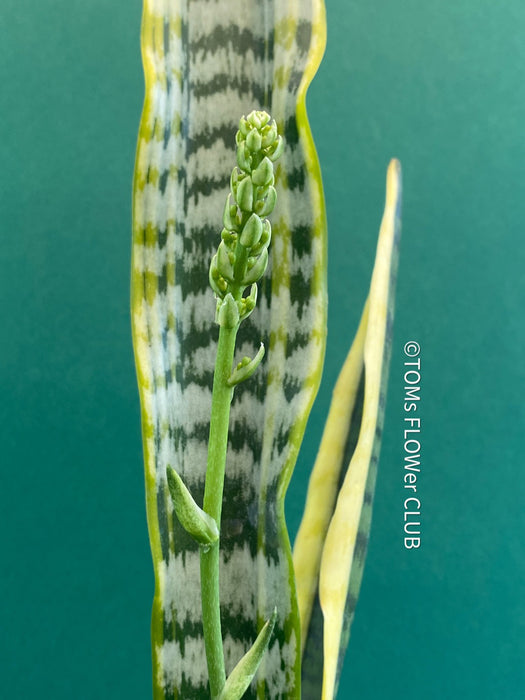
438	84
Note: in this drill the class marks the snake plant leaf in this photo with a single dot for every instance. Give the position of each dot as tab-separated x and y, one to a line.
331	544
206	63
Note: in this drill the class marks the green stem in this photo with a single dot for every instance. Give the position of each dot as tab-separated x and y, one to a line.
209	559
244	244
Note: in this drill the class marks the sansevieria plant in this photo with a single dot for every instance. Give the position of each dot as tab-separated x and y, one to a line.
229	327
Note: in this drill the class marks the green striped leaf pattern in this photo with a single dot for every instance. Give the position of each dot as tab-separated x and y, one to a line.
206	63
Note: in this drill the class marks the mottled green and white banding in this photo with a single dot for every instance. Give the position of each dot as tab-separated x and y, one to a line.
206	62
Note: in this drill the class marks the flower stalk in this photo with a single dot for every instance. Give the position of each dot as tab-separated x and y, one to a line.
240	261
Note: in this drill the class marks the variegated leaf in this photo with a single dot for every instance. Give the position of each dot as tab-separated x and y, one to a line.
206	63
331	545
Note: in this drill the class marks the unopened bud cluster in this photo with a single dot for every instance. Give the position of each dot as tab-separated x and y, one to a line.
242	256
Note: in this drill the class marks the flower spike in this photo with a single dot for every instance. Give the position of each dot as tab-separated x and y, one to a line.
242	256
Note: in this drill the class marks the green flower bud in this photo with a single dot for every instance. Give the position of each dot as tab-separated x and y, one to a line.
254	141
228	237
269	134
258	269
247	304
244	160
244	128
224	262
263	174
234	178
215	276
264	118
265	207
251	299
277	150
264	242
254	119
252	231
227	220
228	314
244	194
267	232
